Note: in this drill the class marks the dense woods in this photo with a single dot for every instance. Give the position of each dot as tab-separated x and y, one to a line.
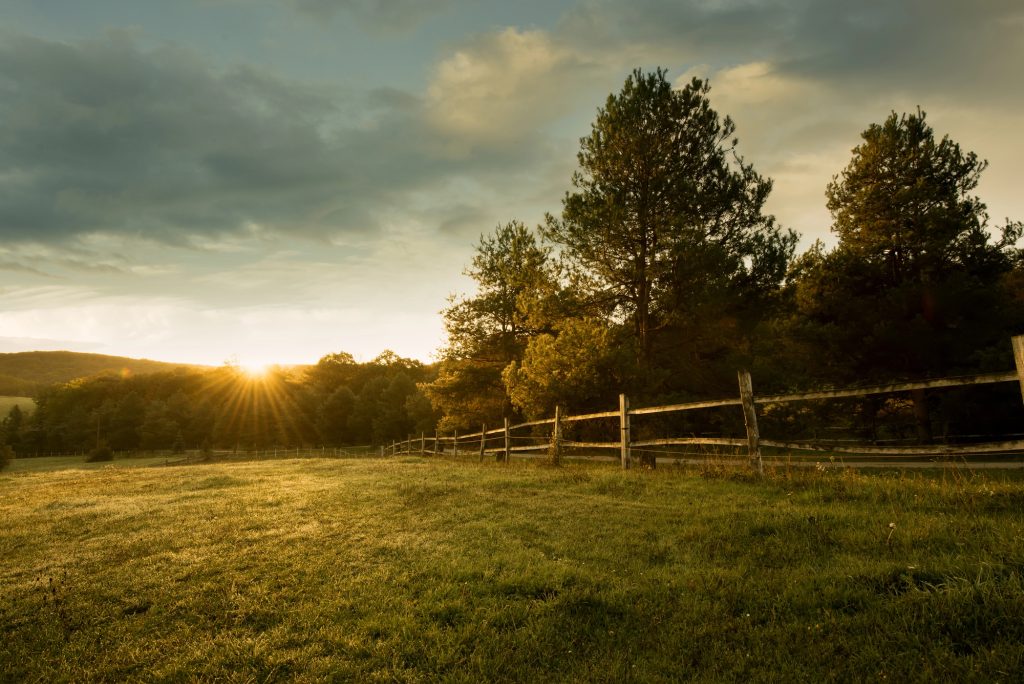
661	276
336	402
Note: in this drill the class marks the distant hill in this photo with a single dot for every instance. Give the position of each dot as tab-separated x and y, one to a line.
26	373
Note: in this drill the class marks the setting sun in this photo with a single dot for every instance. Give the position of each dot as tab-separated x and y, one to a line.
255	369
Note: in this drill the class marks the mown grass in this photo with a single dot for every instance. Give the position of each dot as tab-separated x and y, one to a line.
416	570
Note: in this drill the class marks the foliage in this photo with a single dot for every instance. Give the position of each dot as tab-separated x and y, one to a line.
667	216
11	427
6	456
573	369
904	206
336	402
914	285
490	330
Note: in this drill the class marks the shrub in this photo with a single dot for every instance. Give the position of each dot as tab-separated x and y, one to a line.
100	453
6	456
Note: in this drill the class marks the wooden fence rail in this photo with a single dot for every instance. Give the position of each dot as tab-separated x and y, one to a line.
554	443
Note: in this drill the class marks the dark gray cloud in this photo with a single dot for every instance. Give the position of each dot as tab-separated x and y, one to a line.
103	136
390	15
947	46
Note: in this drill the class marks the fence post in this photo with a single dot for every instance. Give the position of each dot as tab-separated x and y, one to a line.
423	444
750	420
1018	357
556	437
483	441
455	444
624	429
508	443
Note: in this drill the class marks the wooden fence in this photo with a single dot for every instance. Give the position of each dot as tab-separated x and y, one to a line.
552	443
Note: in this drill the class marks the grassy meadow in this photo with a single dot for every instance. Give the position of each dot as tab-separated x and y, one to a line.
417	570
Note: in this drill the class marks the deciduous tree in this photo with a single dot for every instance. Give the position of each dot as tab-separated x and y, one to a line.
490	329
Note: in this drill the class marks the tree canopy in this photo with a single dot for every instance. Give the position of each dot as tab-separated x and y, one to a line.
662	275
914	285
666	214
489	330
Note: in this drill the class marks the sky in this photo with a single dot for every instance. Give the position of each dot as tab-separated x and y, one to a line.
270	181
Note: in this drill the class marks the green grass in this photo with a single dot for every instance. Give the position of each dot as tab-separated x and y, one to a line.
7	403
415	570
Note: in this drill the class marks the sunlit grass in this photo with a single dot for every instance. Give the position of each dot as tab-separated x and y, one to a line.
415	570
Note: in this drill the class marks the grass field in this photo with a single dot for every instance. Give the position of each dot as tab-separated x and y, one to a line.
415	570
7	403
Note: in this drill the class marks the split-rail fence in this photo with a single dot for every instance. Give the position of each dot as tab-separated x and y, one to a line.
551	443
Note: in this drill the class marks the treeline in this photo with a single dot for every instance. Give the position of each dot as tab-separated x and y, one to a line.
663	274
336	402
660	277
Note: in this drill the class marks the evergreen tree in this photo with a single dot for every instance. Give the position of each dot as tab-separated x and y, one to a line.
915	286
667	216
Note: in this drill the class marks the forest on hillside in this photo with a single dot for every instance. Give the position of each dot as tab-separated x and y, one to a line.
27	373
338	402
661	275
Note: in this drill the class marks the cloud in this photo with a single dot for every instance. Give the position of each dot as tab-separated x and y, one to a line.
502	86
10	345
103	137
107	137
939	47
386	15
18	267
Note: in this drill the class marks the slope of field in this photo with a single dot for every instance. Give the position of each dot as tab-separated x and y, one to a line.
27	372
408	570
7	403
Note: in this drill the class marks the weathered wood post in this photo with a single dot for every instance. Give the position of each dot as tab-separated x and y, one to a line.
435	441
750	420
507	456
624	429
455	444
556	438
483	441
1018	357
423	444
